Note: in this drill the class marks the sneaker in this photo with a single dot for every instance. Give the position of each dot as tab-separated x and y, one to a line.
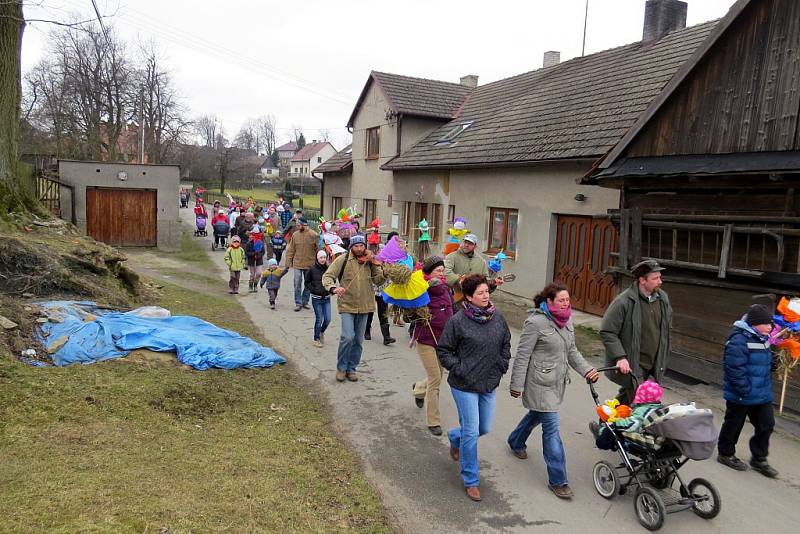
340	376
318	343
298	307
562	492
435	430
761	465
733	462
352	376
522	454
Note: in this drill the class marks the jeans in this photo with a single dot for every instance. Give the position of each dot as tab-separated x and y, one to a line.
761	417
475	416
349	354
322	315
301	294
552	447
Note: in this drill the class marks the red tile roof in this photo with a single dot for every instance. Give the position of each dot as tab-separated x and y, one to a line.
309	151
291	145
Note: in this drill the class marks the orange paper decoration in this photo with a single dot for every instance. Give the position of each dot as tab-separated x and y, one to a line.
789	315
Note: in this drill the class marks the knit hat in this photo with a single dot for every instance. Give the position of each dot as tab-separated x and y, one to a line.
472	238
431	263
236	239
648	392
322	254
303	220
272	262
357	239
758	314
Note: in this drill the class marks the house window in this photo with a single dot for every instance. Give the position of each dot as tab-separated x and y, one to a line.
319	159
408	215
373	143
370	210
336	205
503	231
269	171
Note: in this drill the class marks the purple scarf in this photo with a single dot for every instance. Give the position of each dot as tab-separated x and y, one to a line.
558	316
479	315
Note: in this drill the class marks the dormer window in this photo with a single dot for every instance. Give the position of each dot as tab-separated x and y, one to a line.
454	132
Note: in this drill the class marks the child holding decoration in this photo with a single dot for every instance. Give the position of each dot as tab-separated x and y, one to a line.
747	388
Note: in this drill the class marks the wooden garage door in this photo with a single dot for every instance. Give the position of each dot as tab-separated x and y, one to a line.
583	245
121	217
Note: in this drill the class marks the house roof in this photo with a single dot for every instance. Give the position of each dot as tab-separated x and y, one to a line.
339	162
577	109
268	164
419	97
291	145
309	151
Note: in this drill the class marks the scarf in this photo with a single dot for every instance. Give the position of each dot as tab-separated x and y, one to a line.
479	315
560	317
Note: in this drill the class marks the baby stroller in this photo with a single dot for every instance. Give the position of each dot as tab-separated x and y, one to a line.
200	223
221	230
650	459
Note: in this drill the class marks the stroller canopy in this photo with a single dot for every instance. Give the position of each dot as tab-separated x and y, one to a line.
691	429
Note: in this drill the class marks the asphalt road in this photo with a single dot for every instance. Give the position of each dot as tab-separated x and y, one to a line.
420	484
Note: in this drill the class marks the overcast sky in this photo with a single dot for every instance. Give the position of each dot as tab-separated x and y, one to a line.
306	62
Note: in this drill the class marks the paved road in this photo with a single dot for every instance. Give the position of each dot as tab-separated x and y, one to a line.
420	484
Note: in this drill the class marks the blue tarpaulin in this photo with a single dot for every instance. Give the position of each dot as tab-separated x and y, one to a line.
83	333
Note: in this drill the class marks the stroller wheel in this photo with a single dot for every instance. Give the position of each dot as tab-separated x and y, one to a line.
606	481
708	502
650	509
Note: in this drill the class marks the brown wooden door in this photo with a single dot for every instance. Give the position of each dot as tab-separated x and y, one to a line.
121	217
583	245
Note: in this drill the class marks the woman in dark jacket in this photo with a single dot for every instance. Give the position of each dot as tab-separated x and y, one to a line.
475	348
320	297
427	334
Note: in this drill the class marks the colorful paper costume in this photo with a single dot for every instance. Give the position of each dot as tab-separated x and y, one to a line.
612	411
496	264
786	337
374	238
457	233
330	240
407	288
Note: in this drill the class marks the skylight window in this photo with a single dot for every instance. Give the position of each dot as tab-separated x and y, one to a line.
454	132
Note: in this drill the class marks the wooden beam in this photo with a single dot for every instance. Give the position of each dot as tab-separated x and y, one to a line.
624	238
636	235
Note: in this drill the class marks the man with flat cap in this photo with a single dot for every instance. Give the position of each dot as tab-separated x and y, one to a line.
635	330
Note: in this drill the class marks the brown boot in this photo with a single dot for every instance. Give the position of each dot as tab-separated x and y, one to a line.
562	492
474	493
352	376
455	454
340	376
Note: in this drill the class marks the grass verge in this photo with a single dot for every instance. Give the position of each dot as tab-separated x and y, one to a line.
267	196
126	446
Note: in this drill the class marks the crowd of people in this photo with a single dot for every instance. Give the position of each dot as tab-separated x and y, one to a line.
464	333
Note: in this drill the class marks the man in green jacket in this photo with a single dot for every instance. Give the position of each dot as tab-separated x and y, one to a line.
635	330
466	261
351	277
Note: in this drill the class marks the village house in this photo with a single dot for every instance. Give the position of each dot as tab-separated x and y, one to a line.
285	154
308	158
508	156
269	171
709	175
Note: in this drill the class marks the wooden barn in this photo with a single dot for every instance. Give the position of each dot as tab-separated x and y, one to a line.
710	181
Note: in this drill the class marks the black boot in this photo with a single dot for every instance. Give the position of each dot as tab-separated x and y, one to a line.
387	338
367	335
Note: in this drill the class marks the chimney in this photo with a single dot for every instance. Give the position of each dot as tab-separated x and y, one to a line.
662	17
470	80
551	57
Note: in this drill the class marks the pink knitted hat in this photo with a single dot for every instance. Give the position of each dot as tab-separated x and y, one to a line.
648	392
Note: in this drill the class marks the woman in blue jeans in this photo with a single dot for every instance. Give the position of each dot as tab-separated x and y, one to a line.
475	347
546	350
320	298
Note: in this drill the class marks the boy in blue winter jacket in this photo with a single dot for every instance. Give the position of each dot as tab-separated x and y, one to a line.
747	388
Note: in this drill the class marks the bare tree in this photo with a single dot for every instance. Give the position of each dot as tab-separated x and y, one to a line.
324	134
299	138
265	132
207	127
247	138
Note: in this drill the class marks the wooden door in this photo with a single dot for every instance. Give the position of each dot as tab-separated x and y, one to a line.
121	217
583	245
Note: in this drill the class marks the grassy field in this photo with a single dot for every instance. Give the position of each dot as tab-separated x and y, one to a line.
144	445
265	196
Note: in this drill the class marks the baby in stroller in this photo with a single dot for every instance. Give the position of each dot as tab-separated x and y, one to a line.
654	442
221	228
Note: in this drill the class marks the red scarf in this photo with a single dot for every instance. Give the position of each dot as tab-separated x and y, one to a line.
559	316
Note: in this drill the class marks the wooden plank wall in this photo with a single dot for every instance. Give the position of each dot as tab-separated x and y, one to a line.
743	96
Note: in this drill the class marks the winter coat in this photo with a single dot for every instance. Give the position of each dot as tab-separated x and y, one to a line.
273	277
747	367
235	258
314	280
357	279
219	219
254	258
476	355
621	332
278	244
441	308
302	250
541	365
285	216
457	264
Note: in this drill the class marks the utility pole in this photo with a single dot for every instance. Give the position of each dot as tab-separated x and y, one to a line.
141	126
585	20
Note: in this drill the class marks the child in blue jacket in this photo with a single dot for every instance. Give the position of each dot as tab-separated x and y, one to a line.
747	388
